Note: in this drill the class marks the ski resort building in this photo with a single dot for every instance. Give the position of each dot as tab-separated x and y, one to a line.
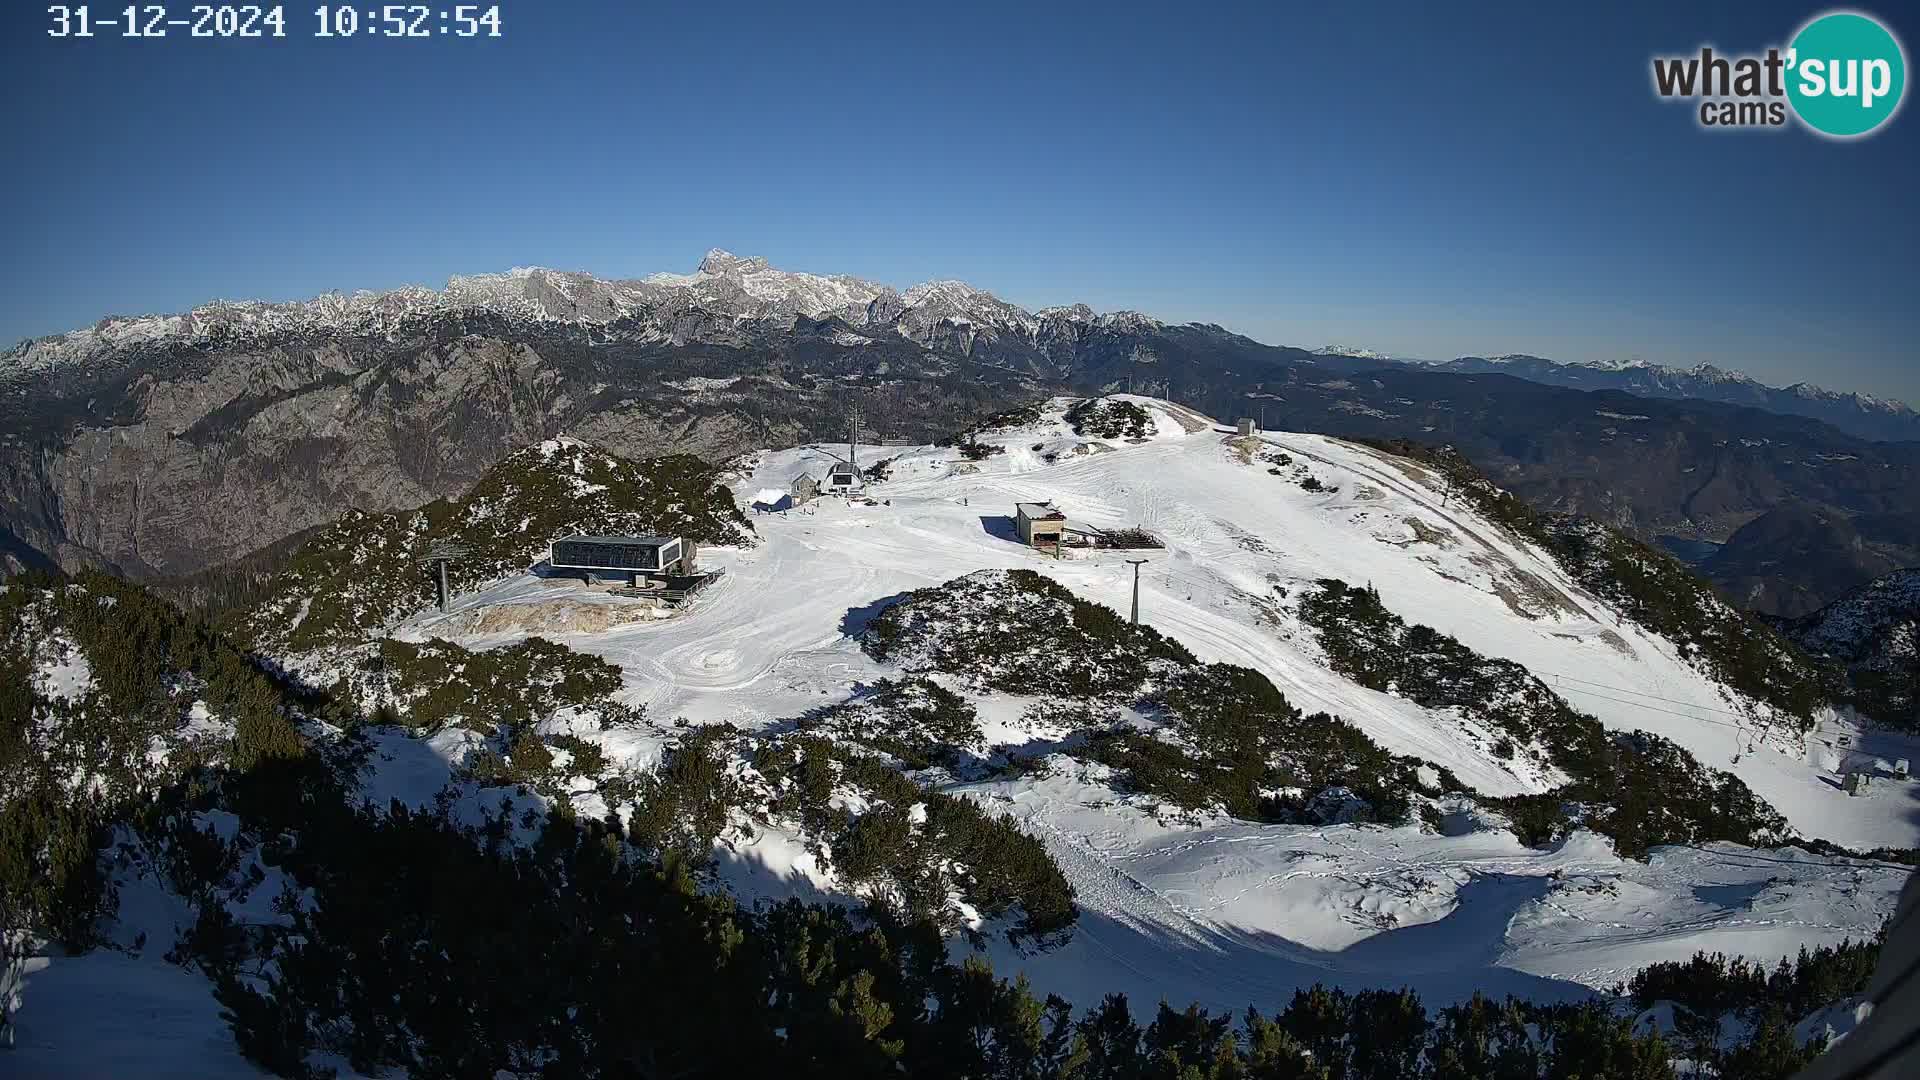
635	556
1039	524
1045	526
660	570
843	477
1246	426
804	488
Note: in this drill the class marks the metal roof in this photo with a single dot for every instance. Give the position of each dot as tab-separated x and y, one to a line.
1037	510
630	541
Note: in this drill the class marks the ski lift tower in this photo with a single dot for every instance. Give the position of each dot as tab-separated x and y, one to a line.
438	556
1136	564
853	439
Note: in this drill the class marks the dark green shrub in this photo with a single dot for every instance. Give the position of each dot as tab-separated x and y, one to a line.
365	570
914	720
50	874
1538	820
685	802
588	759
1648	586
1109	418
1643	790
438	683
1059	645
994	866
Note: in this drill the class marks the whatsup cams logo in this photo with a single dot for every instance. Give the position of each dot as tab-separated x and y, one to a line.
1843	75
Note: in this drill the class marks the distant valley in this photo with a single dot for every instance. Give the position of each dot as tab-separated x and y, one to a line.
1862	415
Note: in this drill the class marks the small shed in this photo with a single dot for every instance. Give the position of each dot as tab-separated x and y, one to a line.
804	488
1081	534
1038	523
1247	426
772	501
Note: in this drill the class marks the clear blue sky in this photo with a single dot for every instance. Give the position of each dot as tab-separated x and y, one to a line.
1424	178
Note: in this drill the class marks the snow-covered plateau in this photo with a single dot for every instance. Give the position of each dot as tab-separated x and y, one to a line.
1176	906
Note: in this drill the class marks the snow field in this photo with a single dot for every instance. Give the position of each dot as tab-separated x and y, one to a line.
1196	909
1228	912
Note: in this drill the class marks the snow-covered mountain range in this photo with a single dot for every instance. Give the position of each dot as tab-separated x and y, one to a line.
1864	415
745	289
750	291
1355	351
168	445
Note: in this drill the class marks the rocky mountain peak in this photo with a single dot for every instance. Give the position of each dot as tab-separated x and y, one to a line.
1131	321
949	291
720	262
1713	373
1356	351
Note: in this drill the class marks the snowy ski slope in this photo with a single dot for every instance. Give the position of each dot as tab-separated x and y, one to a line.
771	638
1217	911
1228	912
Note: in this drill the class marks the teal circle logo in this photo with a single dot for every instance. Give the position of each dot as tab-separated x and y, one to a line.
1846	74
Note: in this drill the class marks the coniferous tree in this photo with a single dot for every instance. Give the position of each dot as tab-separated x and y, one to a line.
1482	1039
1106	1043
1770	1052
1589	1041
1394	1026
1320	1019
1274	1054
1190	1044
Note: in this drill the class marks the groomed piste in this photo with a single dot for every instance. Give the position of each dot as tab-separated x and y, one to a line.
1192	907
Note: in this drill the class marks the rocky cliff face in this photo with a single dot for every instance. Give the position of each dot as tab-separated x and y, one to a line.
210	462
164	468
1873	633
166	444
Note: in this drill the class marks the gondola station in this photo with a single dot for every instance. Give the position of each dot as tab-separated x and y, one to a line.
658	567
